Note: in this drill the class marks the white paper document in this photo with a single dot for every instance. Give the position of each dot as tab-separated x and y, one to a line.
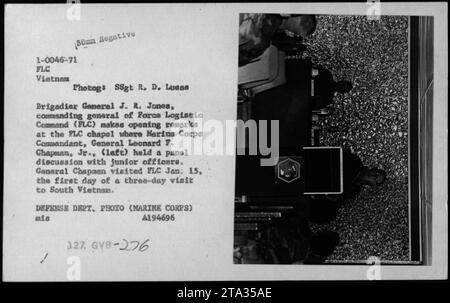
186	142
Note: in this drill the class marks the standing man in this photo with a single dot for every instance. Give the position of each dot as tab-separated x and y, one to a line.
324	208
325	87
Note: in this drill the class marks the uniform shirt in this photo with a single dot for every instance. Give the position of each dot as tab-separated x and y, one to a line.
255	34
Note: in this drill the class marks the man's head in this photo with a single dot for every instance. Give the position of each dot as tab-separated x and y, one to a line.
372	177
303	25
342	86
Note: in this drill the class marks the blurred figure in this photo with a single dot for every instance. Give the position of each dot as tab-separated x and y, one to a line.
248	254
287	241
291	241
357	175
256	31
300	25
325	88
323	209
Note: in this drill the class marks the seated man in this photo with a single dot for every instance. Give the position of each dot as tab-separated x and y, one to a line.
325	88
256	31
323	209
291	241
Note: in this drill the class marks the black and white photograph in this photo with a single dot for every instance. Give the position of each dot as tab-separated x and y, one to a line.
349	92
220	142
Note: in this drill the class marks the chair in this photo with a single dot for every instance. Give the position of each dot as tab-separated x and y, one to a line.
263	73
280	78
261	68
